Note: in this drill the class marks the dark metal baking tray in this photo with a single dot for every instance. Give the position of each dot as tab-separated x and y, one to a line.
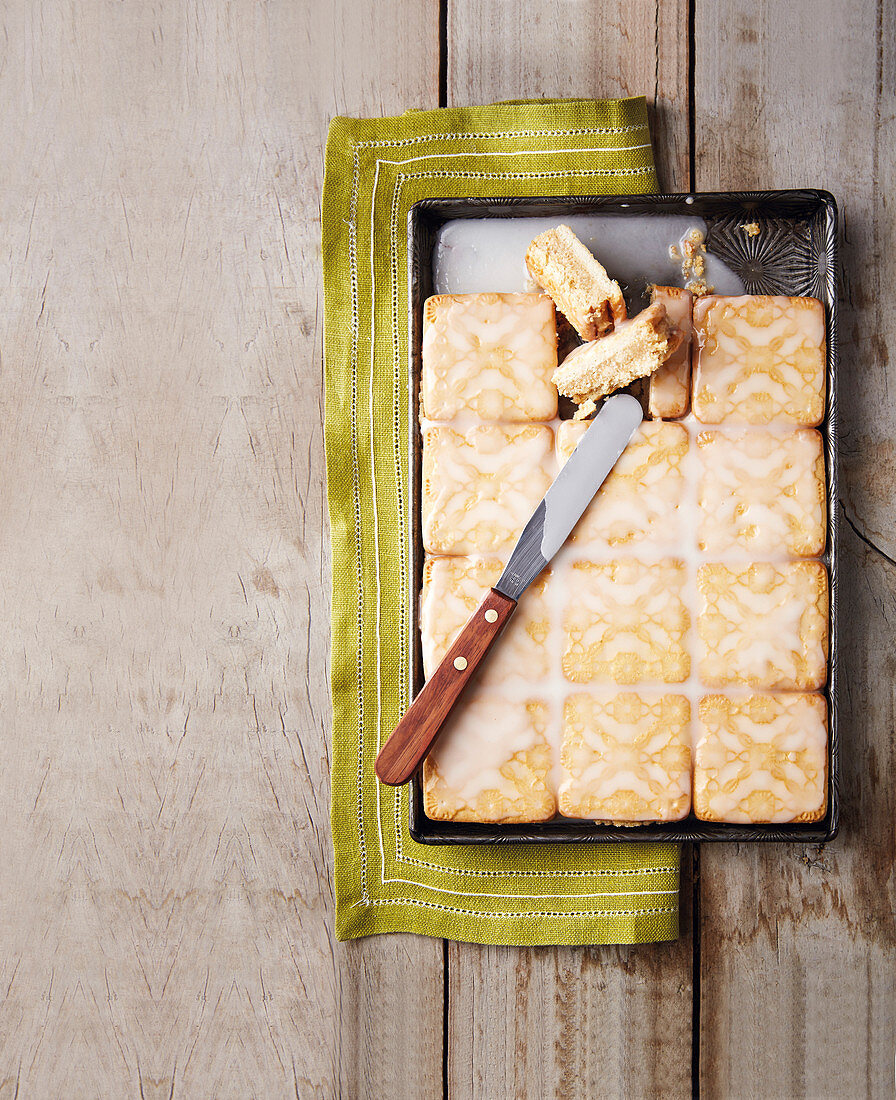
794	253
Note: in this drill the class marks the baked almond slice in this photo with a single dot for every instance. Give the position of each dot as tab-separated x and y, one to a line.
481	484
635	350
762	492
491	355
759	359
582	290
763	625
626	622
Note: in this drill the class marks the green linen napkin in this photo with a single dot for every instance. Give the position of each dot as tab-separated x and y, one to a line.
385	882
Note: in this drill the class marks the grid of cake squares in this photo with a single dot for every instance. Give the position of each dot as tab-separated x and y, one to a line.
671	658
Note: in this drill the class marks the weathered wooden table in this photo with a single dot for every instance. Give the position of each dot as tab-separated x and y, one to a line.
165	865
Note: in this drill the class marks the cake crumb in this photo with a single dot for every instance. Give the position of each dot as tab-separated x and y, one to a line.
585	411
751	229
693	263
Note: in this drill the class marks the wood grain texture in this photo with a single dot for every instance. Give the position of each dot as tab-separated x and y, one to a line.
165	882
578	48
798	959
571	1024
567	1022
166	910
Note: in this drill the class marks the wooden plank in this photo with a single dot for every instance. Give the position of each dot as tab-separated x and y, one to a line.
798	946
499	50
166	909
572	1022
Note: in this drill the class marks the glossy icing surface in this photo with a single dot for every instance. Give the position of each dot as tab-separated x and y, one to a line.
761	758
759	359
473	255
625	623
680	573
491	354
763	625
761	493
481	484
491	762
626	757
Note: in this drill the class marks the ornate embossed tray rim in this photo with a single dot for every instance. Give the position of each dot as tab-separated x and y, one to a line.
795	253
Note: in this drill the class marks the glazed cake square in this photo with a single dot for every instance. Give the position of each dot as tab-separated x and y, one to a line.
480	486
762	492
452	590
626	758
760	360
625	622
640	502
670	385
489	354
761	759
492	762
763	625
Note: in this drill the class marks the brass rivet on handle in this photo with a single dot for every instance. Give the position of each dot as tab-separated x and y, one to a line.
491	616
460	663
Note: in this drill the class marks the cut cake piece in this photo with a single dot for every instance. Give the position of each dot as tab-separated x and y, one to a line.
760	359
761	759
492	762
762	492
625	622
489	354
480	486
640	503
670	384
763	625
626	758
583	292
452	590
634	350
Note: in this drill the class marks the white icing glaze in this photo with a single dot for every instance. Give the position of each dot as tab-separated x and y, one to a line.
626	623
760	758
492	354
761	493
759	359
481	485
651	508
762	625
626	756
479	740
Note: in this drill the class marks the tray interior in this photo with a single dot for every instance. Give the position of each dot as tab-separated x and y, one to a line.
794	253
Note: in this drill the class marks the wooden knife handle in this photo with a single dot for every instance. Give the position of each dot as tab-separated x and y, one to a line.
410	741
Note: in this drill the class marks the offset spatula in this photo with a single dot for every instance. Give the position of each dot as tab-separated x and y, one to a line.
544	534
